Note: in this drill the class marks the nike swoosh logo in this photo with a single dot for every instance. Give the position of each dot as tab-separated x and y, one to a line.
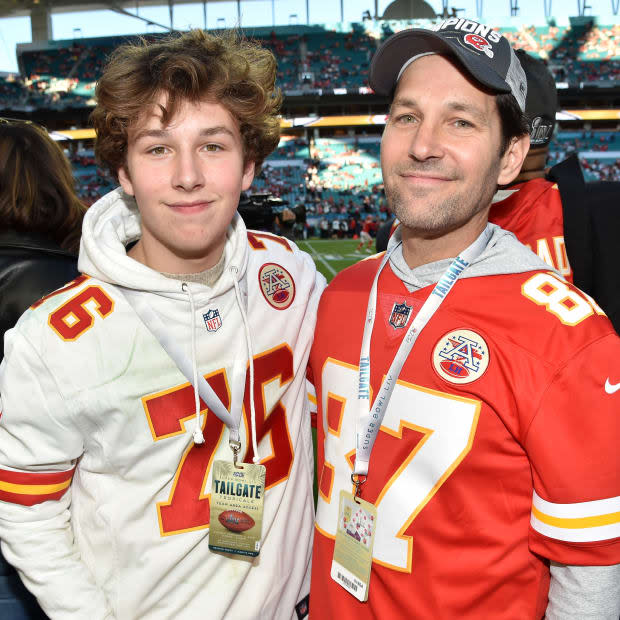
609	388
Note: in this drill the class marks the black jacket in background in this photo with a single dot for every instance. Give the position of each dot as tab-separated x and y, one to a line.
30	268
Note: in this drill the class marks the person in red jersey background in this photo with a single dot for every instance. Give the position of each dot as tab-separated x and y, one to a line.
472	408
531	206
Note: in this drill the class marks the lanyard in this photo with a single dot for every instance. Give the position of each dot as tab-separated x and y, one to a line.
155	325
370	418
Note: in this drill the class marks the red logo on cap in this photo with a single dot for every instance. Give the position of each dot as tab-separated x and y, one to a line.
480	43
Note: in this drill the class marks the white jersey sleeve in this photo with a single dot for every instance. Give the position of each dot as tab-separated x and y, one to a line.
42	444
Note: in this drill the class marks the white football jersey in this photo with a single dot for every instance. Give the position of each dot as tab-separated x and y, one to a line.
104	496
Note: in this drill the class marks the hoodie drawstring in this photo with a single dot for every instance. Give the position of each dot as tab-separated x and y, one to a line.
248	340
198	436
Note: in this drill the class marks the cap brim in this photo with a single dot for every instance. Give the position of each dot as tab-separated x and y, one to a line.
398	49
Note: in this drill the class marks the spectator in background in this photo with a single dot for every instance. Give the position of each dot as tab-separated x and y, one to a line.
570	225
40	224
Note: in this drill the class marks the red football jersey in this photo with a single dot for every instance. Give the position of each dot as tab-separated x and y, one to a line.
533	212
498	450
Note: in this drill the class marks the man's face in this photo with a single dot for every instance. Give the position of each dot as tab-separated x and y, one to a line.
440	150
186	178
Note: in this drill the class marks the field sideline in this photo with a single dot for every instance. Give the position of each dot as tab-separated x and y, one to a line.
333	255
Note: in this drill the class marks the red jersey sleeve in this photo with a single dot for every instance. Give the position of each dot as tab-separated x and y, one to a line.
572	445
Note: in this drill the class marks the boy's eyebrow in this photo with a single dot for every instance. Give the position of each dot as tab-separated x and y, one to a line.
162	133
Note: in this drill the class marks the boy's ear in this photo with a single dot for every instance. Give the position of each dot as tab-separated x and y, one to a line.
125	181
248	175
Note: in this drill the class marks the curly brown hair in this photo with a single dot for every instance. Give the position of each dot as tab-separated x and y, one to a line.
37	188
195	66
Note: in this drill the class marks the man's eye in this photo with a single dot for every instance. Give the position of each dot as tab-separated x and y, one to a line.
405	119
463	123
213	148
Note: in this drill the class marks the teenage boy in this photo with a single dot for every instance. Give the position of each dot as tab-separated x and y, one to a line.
107	451
473	407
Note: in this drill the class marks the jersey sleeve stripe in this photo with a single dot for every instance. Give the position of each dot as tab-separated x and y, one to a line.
582	522
30	478
28	488
576	510
587	534
579	522
33	489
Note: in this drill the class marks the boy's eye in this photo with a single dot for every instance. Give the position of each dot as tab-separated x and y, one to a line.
157	150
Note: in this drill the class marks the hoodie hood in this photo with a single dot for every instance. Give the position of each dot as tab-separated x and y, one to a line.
113	222
503	254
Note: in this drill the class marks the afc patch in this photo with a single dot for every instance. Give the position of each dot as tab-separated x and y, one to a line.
400	315
213	320
461	356
277	285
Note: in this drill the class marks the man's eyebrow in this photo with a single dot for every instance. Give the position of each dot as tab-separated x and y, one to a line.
454	106
163	133
476	112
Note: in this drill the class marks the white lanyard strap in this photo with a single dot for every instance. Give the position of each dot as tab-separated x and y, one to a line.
156	326
370	418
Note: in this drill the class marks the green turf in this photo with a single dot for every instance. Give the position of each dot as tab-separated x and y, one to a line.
333	255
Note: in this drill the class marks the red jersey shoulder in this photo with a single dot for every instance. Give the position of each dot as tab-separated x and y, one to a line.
537	310
520	198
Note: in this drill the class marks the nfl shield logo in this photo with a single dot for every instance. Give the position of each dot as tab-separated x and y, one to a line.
213	320
400	315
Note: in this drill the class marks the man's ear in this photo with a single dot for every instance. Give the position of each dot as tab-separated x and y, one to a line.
125	181
248	175
512	159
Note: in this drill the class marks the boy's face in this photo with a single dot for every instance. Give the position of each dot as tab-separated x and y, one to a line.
186	178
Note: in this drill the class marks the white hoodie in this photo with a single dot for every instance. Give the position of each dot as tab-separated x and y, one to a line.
104	496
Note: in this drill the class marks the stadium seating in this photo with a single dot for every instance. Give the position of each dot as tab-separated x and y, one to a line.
330	57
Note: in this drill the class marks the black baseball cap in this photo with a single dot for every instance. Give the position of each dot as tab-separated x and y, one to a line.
483	52
542	99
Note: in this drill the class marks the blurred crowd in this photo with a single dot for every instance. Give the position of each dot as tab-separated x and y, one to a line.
315	58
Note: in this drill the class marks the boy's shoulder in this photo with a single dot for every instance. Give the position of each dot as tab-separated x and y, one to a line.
67	313
265	247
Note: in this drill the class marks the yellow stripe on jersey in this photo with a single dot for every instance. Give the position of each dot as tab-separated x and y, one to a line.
33	489
578	522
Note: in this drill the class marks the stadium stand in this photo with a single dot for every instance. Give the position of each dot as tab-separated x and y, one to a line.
338	177
333	58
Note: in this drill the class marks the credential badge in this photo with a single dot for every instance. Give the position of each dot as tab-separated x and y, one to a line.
461	356
400	315
213	320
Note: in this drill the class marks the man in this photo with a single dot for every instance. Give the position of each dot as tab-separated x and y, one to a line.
108	455
571	226
468	420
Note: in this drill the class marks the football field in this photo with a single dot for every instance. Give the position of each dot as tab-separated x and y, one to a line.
333	255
